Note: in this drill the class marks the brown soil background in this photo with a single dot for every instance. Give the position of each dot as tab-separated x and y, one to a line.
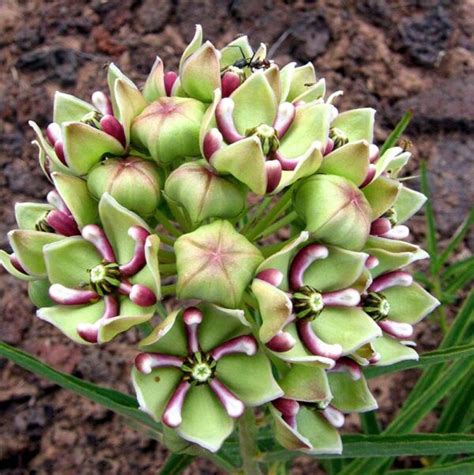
391	55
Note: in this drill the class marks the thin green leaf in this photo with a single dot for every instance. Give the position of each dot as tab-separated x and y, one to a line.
461	280
176	464
457	238
456	268
427	359
360	446
120	403
412	414
369	422
392	139
460	467
431	241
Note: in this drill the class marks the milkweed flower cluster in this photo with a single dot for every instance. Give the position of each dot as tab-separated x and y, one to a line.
161	191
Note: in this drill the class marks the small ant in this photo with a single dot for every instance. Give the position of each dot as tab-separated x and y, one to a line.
251	63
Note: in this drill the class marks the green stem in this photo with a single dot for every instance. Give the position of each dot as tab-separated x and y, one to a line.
281	223
166	223
161	310
168	290
181	217
168	269
258	212
166	239
279	207
248	443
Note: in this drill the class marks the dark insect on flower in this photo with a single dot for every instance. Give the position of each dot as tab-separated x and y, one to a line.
251	62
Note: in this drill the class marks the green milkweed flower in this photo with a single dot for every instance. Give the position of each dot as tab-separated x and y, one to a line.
198	371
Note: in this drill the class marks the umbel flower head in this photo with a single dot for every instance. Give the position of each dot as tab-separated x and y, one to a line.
177	190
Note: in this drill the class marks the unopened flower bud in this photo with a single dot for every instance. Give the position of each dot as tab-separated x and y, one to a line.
134	182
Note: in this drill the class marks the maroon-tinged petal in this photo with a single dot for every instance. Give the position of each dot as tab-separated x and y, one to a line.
212	143
59	149
102	103
111	126
16	263
241	344
88	332
375	358
169	79
229	83
281	342
396	329
172	413
233	405
314	344
112	307
66	296
142	295
371	262
147	362
62	223
138	261
272	276
329	147
273	170
341	298
370	175
373	153
346	364
284	118
53	133
391	279
225	121
397	232
333	416
289	410
303	259
54	199
97	237
288	164
192	317
380	227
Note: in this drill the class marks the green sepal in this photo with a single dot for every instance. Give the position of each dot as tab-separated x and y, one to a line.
381	195
357	124
28	214
84	146
28	248
68	108
350	395
307	384
73	191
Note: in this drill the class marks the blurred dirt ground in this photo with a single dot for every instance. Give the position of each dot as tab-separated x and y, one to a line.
391	55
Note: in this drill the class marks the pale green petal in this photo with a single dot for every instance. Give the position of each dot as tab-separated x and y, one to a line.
349	327
11	269
84	146
27	214
408	202
68	261
38	293
75	194
68	108
205	421
409	304
67	317
250	378
357	124
381	195
255	103
306	383
350	161
116	221
155	389
28	248
351	395
392	351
